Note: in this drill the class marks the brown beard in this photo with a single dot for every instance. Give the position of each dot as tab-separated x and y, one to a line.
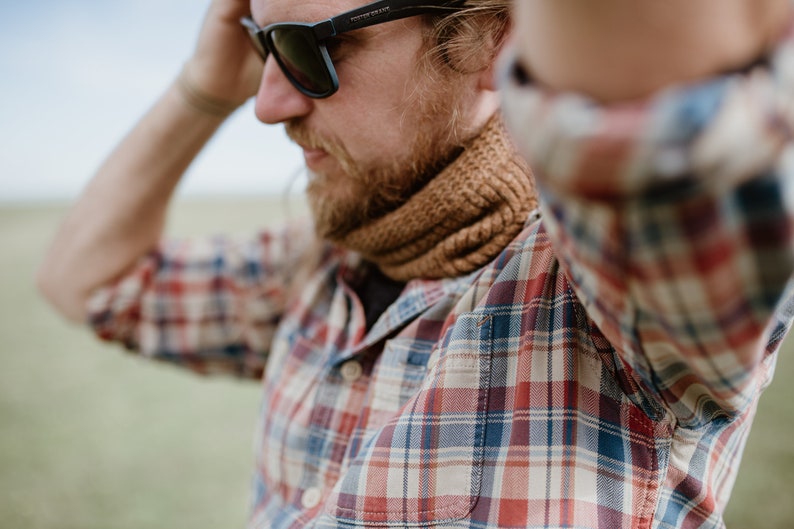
366	193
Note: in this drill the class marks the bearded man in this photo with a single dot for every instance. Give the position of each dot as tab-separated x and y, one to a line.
437	349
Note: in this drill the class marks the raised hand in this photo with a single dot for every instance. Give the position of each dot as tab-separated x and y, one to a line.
224	65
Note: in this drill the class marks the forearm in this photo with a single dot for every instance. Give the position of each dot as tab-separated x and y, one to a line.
678	239
121	212
624	49
672	217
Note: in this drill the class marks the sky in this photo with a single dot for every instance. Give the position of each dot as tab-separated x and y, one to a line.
75	75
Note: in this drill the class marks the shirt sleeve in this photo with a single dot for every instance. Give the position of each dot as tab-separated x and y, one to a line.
208	305
672	218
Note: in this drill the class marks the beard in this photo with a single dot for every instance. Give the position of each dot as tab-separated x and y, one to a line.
365	192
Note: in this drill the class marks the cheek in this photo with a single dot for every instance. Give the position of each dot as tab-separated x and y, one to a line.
376	113
373	134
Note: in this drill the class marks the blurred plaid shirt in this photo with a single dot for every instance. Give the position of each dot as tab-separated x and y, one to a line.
602	372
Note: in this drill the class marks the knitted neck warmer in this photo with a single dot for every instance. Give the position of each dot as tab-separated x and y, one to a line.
461	220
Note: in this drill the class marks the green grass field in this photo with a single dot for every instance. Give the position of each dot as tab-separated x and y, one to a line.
94	438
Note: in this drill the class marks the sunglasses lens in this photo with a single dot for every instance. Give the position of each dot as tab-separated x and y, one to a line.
300	56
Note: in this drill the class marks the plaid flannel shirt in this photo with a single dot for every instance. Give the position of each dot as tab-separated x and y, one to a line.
602	372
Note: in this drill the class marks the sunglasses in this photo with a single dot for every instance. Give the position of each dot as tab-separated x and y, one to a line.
301	49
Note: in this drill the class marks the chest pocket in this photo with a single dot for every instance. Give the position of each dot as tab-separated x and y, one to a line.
398	374
423	466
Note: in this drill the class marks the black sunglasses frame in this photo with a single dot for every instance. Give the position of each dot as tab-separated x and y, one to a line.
370	14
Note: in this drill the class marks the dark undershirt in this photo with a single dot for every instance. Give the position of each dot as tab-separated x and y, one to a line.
377	292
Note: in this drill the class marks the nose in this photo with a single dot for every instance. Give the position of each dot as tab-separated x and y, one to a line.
277	100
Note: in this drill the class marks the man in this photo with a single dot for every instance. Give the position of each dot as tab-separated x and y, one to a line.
444	353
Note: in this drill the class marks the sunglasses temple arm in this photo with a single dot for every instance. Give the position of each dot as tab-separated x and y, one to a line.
387	10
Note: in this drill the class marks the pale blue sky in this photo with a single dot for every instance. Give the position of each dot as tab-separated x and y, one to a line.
76	74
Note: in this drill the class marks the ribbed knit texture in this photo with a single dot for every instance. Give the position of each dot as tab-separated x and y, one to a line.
460	220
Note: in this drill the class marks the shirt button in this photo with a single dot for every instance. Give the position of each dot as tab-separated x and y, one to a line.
351	371
311	497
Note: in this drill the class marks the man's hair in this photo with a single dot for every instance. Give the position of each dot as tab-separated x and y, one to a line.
456	45
467	40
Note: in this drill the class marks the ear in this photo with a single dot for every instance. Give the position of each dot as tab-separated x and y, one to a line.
487	77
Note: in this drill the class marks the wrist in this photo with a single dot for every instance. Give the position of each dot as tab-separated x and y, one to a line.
199	99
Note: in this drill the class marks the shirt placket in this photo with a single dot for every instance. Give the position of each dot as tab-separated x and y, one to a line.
338	401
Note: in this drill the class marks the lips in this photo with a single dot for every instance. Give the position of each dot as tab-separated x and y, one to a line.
316	155
313	156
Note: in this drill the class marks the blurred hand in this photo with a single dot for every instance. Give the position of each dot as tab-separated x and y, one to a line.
622	49
224	64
